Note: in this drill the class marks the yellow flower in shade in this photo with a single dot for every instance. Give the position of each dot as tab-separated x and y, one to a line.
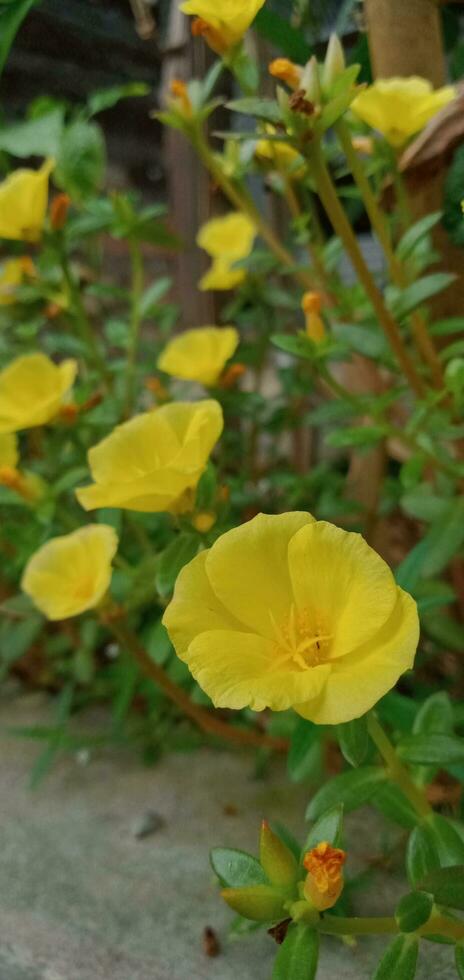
12	274
32	389
154	461
324	882
72	573
284	158
311	305
226	240
400	107
222	22
199	354
286	611
23	203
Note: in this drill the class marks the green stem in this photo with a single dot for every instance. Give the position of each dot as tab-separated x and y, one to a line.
343	229
81	320
135	320
243	202
397	770
438	925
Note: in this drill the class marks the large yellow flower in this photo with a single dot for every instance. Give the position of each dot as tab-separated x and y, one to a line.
154	461
226	240
223	22
400	107
23	203
32	389
199	354
286	611
12	274
72	573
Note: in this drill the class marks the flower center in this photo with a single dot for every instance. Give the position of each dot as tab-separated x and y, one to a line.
302	639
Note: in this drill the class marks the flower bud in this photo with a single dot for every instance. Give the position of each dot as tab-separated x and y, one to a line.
334	63
180	98
204	521
311	305
277	861
286	71
310	83
59	211
324	882
261	903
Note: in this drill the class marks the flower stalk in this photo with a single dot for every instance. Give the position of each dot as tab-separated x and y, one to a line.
397	770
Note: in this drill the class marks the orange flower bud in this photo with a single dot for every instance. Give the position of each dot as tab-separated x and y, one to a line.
231	375
324	882
311	302
59	211
204	521
179	91
311	306
286	71
10	477
27	485
69	412
157	389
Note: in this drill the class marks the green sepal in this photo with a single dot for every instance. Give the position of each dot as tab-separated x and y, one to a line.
261	903
277	861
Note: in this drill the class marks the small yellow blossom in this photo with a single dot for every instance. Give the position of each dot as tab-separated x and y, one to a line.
154	461
32	389
222	22
286	71
324	882
285	611
311	306
285	159
23	203
400	107
226	240
72	573
199	354
12	274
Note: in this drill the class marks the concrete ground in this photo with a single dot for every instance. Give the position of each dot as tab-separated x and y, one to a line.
82	897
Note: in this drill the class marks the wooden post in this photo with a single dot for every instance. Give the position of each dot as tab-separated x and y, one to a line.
405	39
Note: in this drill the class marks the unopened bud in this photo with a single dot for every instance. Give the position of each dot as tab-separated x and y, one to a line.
204	521
277	861
59	211
286	71
231	375
334	63
310	82
324	882
311	305
179	92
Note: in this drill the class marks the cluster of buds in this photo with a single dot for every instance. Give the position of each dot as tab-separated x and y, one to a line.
286	892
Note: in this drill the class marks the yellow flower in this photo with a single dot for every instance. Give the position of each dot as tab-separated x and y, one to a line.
199	354
23	203
281	154
154	461
324	882
32	389
400	107
72	573
12	274
286	611
311	305
222	22
226	240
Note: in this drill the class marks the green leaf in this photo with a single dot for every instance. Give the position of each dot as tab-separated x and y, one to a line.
394	805
436	549
353	740
300	346
405	301
80	165
459	960
260	108
351	788
450	325
236	869
12	14
262	903
399	961
435	715
422	855
300	756
298	955
108	97
178	553
447	840
431	750
361	435
280	32
153	294
34	137
413	910
446	885
416	233
328	827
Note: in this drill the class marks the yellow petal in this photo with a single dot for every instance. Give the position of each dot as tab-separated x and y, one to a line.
23	203
232	17
221	276
237	670
32	389
72	573
356	682
199	354
248	570
230	238
400	107
342	583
